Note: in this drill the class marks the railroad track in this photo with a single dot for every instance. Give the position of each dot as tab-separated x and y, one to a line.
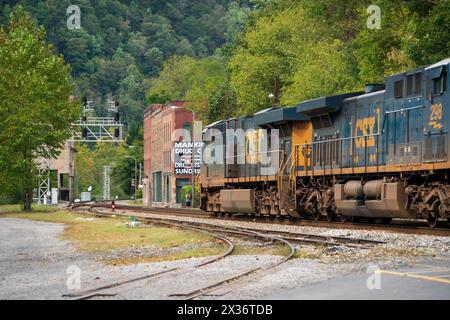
218	231
296	237
113	289
409	227
110	290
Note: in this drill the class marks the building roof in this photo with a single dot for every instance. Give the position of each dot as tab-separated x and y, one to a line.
170	104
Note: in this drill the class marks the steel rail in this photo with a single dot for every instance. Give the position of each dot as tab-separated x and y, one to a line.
395	226
103	290
243	276
205	228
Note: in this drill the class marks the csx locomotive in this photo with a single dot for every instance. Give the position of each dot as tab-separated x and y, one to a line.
377	155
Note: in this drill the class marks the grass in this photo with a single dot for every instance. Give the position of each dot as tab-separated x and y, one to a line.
103	235
15	208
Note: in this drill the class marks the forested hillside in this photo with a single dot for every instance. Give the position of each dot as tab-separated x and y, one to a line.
315	48
123	43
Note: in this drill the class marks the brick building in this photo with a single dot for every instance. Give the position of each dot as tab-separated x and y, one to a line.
161	187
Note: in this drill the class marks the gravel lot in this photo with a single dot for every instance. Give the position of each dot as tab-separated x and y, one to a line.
33	264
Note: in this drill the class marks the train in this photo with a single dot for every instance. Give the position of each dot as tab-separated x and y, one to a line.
374	155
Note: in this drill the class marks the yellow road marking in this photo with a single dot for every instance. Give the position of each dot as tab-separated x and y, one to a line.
426	266
410	275
430	271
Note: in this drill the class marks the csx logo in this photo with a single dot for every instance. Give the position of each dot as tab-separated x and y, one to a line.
365	127
436	116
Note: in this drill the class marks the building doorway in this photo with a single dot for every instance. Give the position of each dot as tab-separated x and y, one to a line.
167	188
180	184
157	187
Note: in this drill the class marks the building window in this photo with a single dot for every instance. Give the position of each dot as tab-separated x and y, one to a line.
187	131
167	188
167	159
157	186
180	183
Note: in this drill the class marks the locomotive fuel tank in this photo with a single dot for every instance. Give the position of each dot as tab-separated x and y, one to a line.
238	200
377	199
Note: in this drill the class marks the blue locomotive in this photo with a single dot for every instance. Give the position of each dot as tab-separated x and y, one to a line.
378	155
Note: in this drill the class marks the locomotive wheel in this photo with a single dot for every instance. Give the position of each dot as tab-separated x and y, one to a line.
316	215
372	220
331	217
355	219
343	218
432	221
387	220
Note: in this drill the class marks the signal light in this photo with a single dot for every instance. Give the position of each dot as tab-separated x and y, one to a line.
117	117
117	103
85	133
117	133
84	118
85	101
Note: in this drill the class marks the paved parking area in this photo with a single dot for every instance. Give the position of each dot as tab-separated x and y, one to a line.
420	281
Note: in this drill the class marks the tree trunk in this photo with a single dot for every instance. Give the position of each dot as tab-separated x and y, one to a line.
28	189
27	199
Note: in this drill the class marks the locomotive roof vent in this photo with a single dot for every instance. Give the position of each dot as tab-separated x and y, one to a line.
374	87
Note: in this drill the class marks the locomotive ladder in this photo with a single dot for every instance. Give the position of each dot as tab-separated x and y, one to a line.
286	183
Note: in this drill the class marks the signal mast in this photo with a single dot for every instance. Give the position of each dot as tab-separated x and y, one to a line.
93	129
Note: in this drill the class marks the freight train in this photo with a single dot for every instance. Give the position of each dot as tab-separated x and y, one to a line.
374	155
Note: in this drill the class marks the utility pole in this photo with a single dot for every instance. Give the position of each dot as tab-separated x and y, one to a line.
140	174
106	183
71	171
135	176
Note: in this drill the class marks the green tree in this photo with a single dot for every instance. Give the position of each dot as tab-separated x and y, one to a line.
35	105
382	52
432	41
311	80
190	79
272	49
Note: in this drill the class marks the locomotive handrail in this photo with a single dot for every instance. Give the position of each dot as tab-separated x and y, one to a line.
363	136
253	154
339	139
404	109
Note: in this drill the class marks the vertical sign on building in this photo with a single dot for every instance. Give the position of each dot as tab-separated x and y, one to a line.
187	157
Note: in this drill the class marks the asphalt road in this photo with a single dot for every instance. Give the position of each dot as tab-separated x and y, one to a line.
429	281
